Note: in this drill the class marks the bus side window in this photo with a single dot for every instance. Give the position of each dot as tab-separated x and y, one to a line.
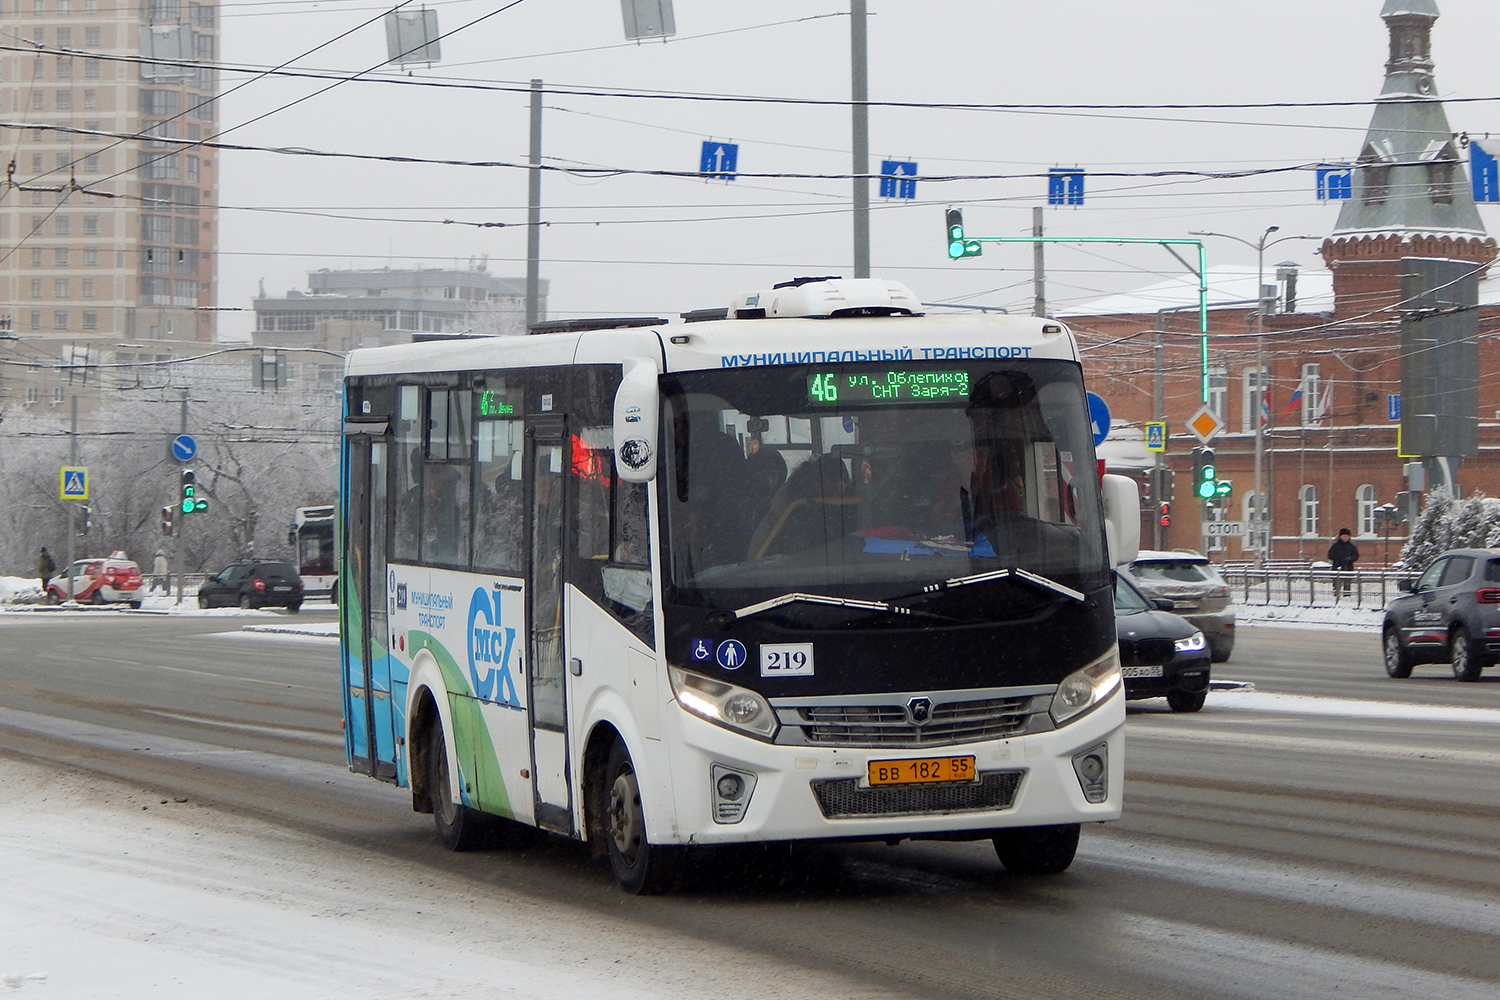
500	517
407	468
445	486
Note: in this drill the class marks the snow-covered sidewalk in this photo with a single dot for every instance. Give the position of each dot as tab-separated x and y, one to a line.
113	892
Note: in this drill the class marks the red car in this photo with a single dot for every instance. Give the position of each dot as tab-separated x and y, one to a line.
98	581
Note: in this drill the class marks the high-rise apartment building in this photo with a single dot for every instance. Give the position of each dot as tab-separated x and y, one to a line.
108	218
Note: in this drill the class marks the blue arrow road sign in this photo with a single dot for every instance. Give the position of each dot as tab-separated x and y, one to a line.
1098	418
184	448
1065	186
719	160
898	179
1393	406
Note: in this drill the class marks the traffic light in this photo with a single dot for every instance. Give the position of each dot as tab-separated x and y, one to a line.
1161	484
166	521
1205	474
190	500
1165	510
958	244
1223	490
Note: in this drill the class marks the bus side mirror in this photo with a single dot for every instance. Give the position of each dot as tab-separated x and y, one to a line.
636	409
1122	518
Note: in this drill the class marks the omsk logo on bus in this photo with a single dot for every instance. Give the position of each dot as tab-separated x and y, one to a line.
635	453
490	644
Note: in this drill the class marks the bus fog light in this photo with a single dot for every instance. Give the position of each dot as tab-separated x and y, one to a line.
730	786
732	790
1092	768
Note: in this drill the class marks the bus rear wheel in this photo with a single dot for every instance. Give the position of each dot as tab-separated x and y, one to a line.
458	826
1037	850
641	867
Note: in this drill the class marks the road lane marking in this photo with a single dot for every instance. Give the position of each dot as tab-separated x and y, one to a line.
1254	966
1206	736
308	736
1355	708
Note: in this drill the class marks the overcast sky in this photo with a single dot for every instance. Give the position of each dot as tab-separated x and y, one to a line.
633	245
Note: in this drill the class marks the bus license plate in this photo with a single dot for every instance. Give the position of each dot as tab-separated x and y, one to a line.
921	770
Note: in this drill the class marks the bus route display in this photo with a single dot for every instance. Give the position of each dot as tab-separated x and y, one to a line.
887	385
492	405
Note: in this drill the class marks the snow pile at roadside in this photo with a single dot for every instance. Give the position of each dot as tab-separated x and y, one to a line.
1362	619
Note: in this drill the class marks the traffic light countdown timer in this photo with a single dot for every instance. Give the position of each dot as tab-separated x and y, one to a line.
191	501
958	245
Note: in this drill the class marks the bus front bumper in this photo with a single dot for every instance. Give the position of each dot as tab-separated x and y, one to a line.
734	789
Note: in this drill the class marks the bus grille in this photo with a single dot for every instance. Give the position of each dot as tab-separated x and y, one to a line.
842	798
888	725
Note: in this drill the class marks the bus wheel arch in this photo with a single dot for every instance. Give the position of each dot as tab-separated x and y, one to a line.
639	866
419	747
596	750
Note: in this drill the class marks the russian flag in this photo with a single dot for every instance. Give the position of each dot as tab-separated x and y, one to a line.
1296	398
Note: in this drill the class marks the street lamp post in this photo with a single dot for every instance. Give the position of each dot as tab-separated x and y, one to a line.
1261	510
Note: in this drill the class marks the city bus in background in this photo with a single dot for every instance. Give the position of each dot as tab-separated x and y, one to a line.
822	569
313	547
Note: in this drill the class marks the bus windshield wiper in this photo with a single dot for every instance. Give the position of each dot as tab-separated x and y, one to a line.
1035	579
839	602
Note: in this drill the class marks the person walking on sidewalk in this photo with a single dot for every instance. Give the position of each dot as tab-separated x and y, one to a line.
45	567
1343	554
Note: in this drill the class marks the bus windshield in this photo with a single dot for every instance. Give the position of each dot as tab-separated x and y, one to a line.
872	481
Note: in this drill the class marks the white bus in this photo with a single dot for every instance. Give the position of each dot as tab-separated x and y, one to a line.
823	569
312	542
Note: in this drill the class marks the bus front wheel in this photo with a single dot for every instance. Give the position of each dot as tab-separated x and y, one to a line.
1037	850
640	866
458	826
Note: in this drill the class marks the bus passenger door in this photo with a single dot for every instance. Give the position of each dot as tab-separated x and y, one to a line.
370	716
546	454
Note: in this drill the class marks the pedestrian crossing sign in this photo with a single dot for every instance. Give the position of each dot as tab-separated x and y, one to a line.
73	483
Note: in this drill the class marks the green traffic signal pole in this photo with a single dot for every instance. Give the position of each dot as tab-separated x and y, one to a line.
1125	240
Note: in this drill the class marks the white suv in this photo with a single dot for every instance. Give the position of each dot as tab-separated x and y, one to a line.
1196	590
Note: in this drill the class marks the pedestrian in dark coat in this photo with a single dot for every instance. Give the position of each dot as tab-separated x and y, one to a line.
45	567
1343	554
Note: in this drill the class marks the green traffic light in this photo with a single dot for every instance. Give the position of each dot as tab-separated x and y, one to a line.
1206	489
1224	488
187	505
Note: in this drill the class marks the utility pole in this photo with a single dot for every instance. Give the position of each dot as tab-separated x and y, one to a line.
1158	410
72	460
179	519
859	86
534	211
1039	266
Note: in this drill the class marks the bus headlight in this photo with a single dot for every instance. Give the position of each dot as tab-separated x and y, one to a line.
1191	644
725	704
1083	689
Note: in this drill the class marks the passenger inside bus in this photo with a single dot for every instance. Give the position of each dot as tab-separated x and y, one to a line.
814	507
710	491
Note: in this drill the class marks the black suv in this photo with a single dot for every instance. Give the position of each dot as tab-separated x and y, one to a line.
253	584
1161	655
1450	614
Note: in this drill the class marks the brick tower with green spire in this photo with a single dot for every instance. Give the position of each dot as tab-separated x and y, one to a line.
1411	197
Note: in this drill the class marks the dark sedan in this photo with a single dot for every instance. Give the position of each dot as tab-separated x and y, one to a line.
253	583
1161	655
